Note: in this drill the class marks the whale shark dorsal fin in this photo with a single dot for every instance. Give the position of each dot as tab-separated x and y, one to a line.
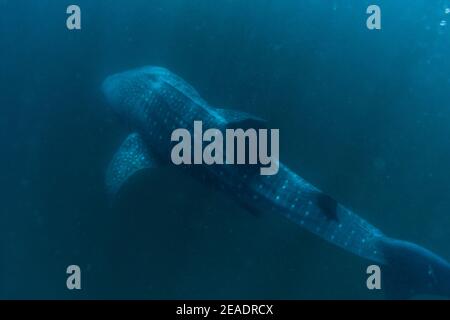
131	157
237	119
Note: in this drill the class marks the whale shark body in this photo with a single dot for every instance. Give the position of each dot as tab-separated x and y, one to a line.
154	102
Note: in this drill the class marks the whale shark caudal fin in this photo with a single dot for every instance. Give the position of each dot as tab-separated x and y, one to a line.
412	270
237	119
131	157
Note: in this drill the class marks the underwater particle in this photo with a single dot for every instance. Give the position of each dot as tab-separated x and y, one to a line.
447	10
379	164
443	23
277	47
25	183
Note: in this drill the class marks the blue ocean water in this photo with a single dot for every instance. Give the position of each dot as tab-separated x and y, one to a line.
362	114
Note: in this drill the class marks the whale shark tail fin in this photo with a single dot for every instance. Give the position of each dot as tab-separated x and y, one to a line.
412	270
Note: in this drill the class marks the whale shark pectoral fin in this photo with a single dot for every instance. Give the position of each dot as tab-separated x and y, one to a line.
238	119
131	157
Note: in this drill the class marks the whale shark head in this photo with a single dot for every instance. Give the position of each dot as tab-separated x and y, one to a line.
133	92
130	92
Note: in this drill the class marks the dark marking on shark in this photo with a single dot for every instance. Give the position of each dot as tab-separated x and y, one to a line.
328	206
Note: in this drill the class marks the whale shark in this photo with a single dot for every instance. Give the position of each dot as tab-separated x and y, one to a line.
154	102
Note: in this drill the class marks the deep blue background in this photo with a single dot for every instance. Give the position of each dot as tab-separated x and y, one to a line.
364	115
